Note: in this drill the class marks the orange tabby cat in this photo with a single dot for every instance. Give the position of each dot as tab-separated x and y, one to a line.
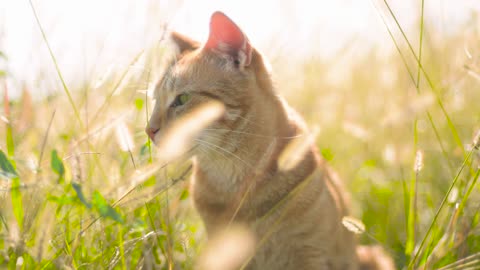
294	211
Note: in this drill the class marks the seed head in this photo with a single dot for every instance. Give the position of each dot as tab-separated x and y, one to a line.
354	225
418	161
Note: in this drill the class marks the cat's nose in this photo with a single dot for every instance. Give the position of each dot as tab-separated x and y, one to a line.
151	131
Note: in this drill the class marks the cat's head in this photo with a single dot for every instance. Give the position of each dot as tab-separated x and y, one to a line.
226	69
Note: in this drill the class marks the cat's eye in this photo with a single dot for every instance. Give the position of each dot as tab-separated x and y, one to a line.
180	100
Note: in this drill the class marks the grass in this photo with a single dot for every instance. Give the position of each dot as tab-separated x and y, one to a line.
89	192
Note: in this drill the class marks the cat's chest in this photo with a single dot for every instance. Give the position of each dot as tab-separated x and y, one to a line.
218	177
211	186
219	196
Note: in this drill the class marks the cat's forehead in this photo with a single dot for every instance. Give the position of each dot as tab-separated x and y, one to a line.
189	73
175	77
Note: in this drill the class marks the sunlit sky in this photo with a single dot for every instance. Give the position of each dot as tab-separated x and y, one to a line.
88	37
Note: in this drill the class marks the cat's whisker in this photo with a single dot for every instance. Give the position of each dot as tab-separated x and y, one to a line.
238	147
249	120
206	154
222	141
256	135
203	142
244	149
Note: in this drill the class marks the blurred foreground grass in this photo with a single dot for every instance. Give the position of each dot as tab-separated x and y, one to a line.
84	190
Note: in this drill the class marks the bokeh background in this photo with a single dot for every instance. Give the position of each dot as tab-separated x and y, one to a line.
81	185
89	37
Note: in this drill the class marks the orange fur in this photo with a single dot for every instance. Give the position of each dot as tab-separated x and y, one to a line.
295	213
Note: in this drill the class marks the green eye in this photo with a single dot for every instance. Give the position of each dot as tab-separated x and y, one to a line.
181	99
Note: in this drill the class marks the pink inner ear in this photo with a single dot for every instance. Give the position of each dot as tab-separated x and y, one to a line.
227	37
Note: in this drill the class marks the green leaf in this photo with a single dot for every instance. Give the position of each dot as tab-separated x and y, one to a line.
370	163
78	190
65	136
3	73
327	154
12	259
184	194
2	55
105	210
7	169
144	150
57	164
139	103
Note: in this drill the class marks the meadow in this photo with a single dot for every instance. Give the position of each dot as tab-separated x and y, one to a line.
81	186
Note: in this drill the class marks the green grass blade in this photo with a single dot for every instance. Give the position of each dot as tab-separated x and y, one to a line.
45	138
410	73
147	117
9	131
397	47
412	213
57	164
116	86
9	141
469	191
152	223
410	242
411	265
8	171
406	202
17	203
420	45
473	259
78	190
105	209
57	68
121	247
451	126
442	146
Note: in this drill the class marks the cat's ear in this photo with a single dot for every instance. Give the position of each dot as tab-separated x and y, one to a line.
228	39
184	43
